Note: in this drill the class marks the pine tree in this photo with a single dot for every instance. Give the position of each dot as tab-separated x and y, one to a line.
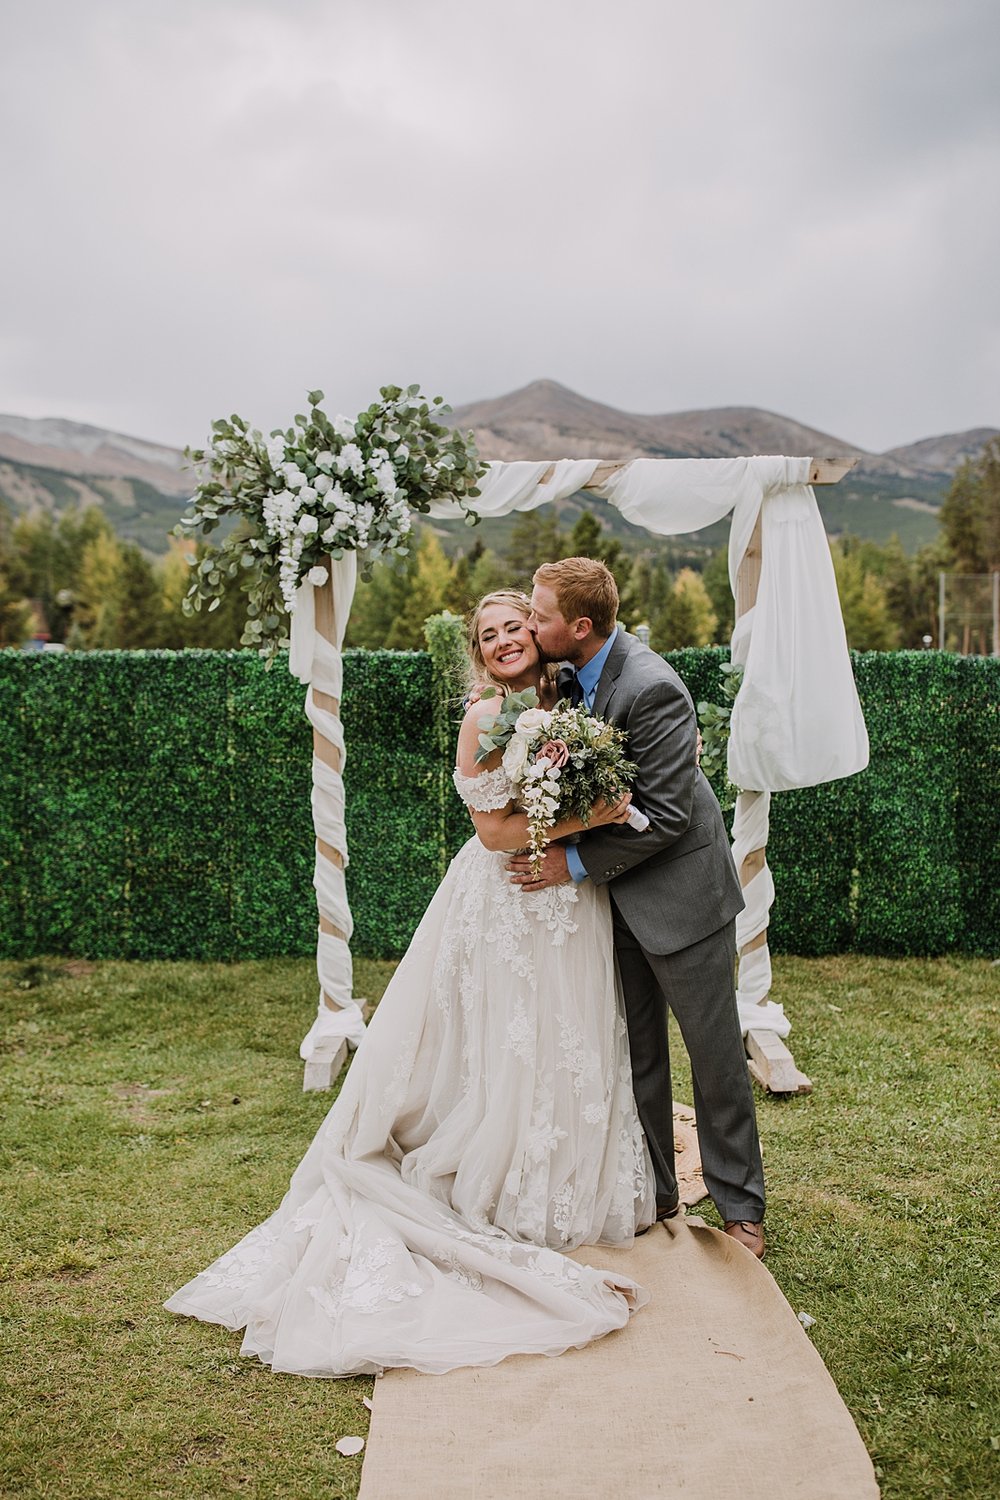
219	630
98	592
687	618
427	595
715	577
535	539
489	573
140	613
863	601
590	539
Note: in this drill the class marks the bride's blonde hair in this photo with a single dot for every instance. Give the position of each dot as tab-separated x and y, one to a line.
479	672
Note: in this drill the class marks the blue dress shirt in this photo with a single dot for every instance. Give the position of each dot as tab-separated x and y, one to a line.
588	677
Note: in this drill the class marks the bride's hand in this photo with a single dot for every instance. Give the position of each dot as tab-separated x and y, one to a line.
610	812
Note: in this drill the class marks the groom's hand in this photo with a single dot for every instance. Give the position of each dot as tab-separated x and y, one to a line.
554	871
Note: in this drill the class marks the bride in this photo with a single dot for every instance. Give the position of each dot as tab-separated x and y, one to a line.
486	1123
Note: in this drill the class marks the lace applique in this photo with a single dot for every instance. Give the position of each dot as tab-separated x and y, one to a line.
521	1034
240	1267
551	907
583	1063
486	792
366	1289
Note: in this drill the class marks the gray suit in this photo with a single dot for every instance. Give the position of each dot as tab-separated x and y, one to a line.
675	894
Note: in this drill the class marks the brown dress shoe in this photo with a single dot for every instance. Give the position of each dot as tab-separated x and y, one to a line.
751	1235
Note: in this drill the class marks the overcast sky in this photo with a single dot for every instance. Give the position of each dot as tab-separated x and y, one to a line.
214	205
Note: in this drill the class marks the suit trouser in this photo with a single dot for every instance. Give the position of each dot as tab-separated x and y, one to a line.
698	984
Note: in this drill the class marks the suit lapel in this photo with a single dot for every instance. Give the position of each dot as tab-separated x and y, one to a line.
617	657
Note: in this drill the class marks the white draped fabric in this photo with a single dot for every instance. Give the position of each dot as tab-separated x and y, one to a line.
318	662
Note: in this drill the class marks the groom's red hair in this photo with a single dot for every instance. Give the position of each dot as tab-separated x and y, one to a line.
585	589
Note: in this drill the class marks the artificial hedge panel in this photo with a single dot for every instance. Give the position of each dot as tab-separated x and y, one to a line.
156	805
976	747
909	895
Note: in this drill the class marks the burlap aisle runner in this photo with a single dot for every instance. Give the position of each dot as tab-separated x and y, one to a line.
713	1390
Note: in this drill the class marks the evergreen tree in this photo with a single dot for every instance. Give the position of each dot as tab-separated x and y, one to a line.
590	539
863	601
687	618
140	611
219	630
715	577
535	539
489	573
427	595
960	515
970	515
16	616
98	592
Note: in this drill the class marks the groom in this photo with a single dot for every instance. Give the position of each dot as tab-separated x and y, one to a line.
674	892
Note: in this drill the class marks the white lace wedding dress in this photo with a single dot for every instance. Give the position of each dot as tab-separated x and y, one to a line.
486	1123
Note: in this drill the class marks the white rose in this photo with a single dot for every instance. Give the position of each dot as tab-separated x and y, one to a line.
342	520
317	576
515	757
343	427
330	535
324	460
322	483
532	719
294	477
307	493
307	525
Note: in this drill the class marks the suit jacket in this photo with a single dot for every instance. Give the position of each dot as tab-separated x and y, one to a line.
676	883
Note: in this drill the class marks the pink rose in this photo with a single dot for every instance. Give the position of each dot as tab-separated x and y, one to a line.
556	751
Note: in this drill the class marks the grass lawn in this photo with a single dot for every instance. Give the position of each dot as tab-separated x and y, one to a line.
152	1114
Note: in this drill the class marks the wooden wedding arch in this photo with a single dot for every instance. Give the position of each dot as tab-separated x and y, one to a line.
702	489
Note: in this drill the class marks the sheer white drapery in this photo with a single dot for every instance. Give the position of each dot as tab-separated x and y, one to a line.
318	662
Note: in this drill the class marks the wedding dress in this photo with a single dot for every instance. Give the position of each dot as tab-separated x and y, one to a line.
486	1124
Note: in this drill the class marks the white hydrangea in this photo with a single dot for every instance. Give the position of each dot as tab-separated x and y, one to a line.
294	477
351	460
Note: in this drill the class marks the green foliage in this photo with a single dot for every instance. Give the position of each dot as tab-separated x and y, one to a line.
314	491
590	538
169	815
864	601
687	617
535	539
714	720
970	515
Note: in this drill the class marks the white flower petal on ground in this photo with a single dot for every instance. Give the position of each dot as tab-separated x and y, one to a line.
348	1446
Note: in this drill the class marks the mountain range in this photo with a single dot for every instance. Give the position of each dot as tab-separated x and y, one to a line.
53	463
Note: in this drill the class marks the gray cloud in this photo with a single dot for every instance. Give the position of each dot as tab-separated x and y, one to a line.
219	205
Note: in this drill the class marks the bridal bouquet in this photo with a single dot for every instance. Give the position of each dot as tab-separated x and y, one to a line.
560	761
322	487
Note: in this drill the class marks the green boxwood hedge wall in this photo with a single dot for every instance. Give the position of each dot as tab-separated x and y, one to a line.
156	805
